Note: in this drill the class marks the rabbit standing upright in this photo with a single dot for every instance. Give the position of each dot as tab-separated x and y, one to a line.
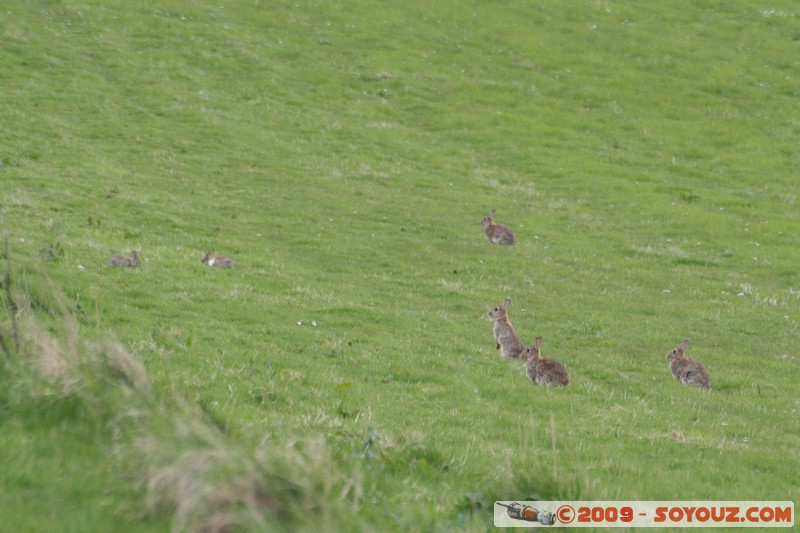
219	260
543	371
125	261
687	371
506	338
496	233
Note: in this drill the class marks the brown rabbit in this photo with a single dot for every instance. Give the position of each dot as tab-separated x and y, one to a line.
543	371
219	260
507	341
687	371
496	233
125	261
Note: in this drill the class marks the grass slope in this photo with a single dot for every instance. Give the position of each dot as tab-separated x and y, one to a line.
343	154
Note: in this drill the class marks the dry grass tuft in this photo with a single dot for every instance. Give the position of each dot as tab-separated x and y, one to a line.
53	360
207	483
122	365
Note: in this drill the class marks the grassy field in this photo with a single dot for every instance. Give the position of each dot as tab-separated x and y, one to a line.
344	372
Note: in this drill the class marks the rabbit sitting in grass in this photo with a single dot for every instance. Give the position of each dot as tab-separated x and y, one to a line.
219	260
125	261
506	338
687	371
497	233
543	371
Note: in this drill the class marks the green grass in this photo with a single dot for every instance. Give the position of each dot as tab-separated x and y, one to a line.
343	154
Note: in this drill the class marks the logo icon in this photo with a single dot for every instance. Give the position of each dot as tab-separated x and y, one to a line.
517	511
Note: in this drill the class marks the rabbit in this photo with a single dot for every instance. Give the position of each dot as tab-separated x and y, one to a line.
125	261
497	233
687	371
543	371
507	341
219	260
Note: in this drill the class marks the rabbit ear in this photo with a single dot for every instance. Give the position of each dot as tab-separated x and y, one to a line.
505	303
537	343
491	213
684	345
